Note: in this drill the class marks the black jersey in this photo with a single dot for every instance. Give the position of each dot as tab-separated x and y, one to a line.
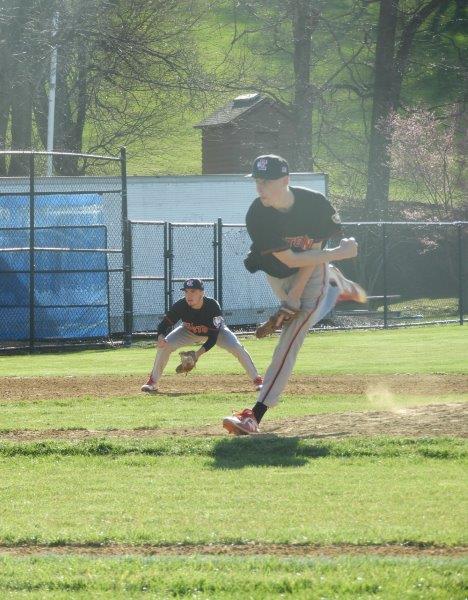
310	219
204	321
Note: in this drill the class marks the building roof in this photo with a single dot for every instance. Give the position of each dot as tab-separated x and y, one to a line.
234	109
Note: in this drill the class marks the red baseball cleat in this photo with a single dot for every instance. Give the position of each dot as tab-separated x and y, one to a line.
349	290
149	386
241	423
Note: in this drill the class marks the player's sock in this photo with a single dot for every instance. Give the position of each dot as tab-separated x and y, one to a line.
259	410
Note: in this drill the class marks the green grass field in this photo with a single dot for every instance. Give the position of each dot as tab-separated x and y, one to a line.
253	578
435	349
117	515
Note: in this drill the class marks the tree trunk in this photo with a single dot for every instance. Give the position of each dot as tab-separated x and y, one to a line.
81	101
21	127
5	77
20	88
4	115
304	21
378	174
64	125
406	42
389	71
461	142
41	105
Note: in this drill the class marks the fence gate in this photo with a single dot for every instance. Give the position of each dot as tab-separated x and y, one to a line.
163	256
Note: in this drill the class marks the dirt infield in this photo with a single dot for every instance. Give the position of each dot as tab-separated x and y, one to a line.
432	420
449	419
254	549
47	388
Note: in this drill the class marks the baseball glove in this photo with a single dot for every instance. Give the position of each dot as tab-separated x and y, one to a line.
284	314
188	360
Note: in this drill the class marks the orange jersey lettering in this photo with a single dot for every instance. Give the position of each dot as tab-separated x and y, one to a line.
302	242
196	329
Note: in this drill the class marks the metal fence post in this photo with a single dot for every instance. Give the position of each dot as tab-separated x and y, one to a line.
170	263
127	254
384	273
166	266
219	274
215	261
32	244
128	286
461	301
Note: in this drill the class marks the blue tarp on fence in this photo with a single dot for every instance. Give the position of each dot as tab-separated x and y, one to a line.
71	297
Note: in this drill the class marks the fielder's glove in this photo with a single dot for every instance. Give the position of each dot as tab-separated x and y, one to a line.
188	360
284	314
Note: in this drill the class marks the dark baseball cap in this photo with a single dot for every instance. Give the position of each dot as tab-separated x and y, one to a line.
193	284
269	166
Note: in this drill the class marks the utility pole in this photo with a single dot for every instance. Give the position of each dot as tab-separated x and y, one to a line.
53	85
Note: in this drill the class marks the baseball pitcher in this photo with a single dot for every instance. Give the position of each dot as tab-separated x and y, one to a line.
289	227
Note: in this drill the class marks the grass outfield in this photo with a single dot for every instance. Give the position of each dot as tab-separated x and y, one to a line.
85	498
432	349
254	578
226	490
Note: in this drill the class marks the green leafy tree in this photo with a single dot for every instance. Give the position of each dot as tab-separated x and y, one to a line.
124	69
398	26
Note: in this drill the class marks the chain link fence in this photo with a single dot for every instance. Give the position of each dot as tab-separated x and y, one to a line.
73	269
150	292
415	273
64	266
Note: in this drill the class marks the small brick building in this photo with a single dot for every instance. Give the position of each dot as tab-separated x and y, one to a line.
247	126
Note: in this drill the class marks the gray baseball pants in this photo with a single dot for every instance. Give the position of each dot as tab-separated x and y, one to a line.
180	337
317	300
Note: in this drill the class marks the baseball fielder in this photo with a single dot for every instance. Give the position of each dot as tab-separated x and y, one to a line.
289	227
202	322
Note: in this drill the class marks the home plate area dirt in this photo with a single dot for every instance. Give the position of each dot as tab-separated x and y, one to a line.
449	419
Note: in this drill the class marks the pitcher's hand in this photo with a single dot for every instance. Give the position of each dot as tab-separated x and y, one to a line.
348	248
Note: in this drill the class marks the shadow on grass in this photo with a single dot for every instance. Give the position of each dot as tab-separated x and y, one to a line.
263	451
